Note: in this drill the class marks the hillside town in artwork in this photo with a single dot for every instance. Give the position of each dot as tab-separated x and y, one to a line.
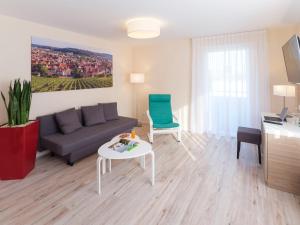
69	68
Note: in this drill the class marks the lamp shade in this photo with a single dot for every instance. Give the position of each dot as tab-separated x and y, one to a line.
284	90
137	78
141	28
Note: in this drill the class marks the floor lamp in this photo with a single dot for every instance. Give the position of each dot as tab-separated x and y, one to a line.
135	79
284	91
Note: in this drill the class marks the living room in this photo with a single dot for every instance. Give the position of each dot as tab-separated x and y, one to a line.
220	160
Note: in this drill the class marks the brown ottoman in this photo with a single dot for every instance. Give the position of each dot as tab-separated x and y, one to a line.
249	135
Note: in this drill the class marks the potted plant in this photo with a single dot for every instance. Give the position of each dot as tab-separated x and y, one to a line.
19	137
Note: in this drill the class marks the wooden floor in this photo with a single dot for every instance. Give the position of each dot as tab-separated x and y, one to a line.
198	181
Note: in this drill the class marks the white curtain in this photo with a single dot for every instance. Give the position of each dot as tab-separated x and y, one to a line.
230	85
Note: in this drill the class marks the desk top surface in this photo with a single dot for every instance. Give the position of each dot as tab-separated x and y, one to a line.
287	129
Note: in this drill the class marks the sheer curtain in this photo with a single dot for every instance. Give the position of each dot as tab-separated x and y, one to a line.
230	85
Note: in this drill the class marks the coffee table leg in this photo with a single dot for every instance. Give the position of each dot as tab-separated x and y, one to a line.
142	162
103	165
109	165
99	159
153	167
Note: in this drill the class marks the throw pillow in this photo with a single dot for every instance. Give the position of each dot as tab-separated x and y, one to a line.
93	115
110	111
68	121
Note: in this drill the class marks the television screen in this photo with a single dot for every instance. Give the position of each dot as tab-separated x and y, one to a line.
291	53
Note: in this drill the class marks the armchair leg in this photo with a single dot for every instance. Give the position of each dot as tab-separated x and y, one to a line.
150	136
179	135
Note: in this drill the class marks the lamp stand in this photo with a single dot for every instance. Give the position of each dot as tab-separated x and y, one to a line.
284	105
136	107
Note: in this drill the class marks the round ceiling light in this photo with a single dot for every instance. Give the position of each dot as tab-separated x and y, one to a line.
141	28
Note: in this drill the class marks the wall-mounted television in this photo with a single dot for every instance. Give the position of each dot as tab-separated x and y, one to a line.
291	54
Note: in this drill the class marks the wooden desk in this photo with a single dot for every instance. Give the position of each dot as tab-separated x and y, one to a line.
281	156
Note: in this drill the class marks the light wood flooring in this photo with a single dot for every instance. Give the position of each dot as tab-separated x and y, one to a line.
198	181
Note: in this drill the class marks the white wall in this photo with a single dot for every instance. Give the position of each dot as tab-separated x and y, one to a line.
15	60
167	68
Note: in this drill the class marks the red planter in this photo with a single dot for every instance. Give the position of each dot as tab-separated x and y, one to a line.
18	147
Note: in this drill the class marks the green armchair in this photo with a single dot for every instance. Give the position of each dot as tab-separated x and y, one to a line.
161	118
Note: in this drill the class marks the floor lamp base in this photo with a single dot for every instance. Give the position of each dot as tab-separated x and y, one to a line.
139	124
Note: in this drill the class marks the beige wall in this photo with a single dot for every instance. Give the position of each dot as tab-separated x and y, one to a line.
166	64
167	68
15	46
277	37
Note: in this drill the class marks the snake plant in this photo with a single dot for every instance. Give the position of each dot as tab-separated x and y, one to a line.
18	106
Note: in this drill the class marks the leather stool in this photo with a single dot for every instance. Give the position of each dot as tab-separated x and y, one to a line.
249	135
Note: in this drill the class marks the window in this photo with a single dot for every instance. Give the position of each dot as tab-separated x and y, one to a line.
229	82
227	71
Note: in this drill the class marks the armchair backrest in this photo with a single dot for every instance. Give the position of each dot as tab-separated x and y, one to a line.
160	108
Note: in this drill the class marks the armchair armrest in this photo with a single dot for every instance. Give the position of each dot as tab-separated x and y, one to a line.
150	119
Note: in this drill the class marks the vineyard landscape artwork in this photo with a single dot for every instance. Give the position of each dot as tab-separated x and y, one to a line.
58	66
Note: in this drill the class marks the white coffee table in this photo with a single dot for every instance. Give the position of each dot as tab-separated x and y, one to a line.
104	153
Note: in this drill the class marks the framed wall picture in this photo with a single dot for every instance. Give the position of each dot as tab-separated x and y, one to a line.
59	66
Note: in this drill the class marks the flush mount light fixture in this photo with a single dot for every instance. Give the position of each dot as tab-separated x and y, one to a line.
142	28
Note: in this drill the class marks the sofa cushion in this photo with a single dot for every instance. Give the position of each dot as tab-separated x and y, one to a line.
48	125
66	144
93	114
79	114
68	121
110	111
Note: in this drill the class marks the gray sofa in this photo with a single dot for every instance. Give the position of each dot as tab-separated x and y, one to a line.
82	142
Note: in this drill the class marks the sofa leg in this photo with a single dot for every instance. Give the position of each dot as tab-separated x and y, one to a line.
70	163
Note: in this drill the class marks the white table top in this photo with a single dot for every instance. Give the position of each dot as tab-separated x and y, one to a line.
287	129
117	138
142	149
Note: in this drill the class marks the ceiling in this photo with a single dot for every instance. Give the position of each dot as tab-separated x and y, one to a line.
181	18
